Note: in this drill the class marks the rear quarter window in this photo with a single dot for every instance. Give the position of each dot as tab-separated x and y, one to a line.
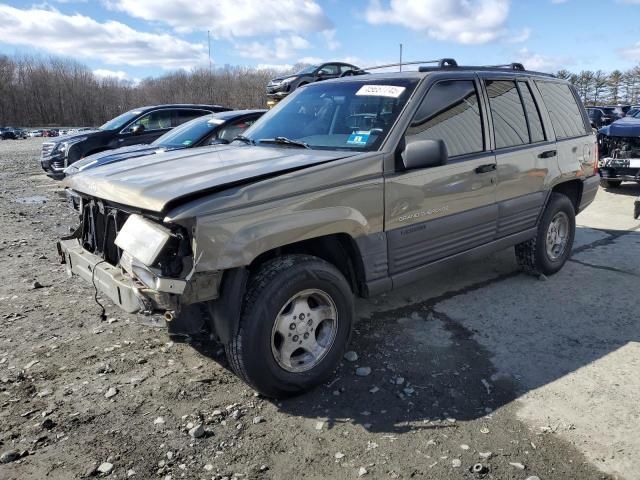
563	108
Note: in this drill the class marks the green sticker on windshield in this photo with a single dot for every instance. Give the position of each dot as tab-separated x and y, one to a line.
186	143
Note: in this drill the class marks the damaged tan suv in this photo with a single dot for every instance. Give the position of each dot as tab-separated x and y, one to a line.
349	187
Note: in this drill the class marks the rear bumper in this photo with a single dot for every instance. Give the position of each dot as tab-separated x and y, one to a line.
589	189
109	280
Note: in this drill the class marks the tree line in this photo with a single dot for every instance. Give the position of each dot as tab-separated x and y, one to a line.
53	91
602	88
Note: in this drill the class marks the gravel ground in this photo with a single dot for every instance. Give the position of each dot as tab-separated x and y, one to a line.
456	379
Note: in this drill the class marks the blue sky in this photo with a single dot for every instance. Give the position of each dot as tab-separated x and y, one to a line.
133	39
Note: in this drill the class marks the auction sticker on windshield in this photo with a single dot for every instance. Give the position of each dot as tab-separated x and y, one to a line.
381	91
358	138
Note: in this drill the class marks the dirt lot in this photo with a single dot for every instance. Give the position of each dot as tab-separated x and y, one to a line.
530	378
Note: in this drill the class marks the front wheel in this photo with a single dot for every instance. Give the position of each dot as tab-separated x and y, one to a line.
548	251
295	325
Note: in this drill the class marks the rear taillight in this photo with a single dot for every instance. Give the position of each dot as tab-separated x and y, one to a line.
596	157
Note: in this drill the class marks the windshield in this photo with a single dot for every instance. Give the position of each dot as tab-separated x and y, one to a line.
121	120
308	70
354	115
188	133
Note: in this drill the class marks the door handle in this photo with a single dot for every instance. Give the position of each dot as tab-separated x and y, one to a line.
490	167
548	154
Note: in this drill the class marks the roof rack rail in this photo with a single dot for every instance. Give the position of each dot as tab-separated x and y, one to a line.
442	63
512	66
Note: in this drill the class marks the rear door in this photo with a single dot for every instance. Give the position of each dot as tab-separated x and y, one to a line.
436	212
526	158
575	140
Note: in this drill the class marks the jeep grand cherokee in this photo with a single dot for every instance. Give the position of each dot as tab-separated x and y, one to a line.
349	187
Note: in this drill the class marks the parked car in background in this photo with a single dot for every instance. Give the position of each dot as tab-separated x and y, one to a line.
633	111
282	86
21	133
141	125
7	133
619	146
214	129
50	132
35	133
351	187
599	118
617	111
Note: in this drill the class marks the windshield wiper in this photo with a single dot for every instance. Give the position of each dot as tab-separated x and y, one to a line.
285	141
244	139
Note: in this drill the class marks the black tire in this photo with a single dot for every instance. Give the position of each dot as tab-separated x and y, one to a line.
604	183
268	291
532	256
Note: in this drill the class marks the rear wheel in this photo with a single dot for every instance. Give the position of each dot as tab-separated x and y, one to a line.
610	183
295	325
548	251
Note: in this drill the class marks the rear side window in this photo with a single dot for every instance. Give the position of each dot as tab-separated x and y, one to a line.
450	112
509	122
533	114
563	109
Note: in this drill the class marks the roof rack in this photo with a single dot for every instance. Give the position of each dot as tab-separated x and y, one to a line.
442	63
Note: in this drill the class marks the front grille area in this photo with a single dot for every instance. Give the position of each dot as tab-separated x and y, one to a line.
100	225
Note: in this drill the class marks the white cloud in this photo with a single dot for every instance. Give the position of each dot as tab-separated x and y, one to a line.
111	42
330	38
230	18
274	66
542	63
461	21
105	73
281	48
631	52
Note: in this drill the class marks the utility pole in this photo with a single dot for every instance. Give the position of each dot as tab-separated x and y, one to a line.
400	57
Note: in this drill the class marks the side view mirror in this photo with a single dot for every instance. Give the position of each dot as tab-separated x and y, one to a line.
137	129
424	154
320	74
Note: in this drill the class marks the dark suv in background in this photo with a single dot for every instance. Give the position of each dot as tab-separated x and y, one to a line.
283	86
141	125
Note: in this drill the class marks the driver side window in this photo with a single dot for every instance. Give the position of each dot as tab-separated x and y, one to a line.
450	112
158	120
232	130
330	69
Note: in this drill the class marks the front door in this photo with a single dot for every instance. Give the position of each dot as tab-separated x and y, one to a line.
437	212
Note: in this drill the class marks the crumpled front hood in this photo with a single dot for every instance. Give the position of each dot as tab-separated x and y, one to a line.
150	183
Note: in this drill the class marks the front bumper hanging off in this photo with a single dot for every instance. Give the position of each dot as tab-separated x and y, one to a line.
109	280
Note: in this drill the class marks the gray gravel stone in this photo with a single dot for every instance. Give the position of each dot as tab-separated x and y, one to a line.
112	392
351	356
105	468
197	431
363	371
9	456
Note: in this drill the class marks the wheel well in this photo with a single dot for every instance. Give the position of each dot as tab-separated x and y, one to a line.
571	189
339	249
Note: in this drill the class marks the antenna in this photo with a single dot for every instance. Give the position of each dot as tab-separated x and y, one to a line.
400	57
